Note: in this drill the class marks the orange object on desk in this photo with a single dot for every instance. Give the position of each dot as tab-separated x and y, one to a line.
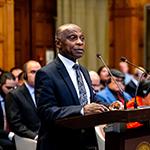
130	104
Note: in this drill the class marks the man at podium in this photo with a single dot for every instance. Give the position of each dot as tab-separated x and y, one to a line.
63	89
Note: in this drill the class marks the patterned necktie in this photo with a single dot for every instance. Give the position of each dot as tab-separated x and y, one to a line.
81	87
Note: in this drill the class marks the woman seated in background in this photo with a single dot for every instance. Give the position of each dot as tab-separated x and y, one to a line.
104	76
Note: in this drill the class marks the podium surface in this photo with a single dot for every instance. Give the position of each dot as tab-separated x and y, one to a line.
128	139
120	116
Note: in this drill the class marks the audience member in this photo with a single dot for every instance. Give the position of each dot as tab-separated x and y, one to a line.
104	76
142	99
112	91
16	71
95	81
143	95
21	78
138	76
58	94
1	71
125	69
7	84
21	106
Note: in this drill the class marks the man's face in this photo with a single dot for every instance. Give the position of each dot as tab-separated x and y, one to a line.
71	44
16	73
113	86
9	85
32	68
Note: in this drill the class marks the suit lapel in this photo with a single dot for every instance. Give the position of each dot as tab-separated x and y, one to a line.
27	96
63	72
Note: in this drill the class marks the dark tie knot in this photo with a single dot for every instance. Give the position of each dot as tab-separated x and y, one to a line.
76	67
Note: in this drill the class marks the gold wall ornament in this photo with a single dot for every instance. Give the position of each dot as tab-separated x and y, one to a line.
143	146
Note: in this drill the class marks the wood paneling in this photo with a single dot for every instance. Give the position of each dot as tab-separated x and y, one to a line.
6	34
35	28
126	31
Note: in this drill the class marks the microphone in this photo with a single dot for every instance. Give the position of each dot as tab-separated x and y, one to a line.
145	71
124	59
120	89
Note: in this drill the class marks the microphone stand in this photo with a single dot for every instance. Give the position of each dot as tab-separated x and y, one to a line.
120	89
145	71
136	91
124	59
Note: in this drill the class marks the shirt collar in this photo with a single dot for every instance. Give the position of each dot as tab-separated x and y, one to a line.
67	62
30	88
1	98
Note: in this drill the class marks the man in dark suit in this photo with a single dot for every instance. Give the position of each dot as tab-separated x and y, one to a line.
7	83
58	95
21	106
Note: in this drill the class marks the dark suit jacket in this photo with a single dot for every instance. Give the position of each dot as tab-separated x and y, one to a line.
21	112
5	142
131	88
57	98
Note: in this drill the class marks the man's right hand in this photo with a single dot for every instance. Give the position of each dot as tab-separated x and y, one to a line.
94	108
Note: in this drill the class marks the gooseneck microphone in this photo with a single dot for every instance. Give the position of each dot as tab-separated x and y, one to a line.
144	71
120	89
124	59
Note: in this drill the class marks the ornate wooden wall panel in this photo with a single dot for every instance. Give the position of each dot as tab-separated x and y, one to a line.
126	31
6	34
43	28
22	34
34	29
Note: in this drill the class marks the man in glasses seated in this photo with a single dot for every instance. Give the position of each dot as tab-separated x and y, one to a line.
114	91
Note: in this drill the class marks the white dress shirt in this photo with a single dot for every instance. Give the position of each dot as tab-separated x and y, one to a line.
72	73
31	91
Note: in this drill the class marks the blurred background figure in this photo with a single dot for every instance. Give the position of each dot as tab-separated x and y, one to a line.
143	95
104	76
138	76
16	71
123	67
1	71
21	105
111	92
95	80
21	79
7	83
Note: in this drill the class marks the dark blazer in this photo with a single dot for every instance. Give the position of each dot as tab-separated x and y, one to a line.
131	88
57	98
3	134
5	142
21	113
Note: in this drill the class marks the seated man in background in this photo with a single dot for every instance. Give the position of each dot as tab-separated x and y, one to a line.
142	100
143	95
124	68
138	76
21	106
7	84
16	71
112	92
95	81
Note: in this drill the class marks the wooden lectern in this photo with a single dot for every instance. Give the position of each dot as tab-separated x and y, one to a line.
117	136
